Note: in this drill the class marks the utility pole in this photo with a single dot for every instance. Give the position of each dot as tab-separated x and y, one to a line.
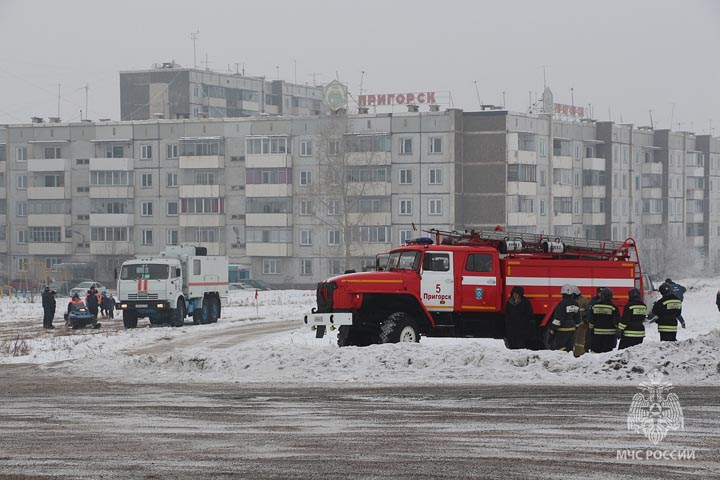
477	94
87	87
58	112
194	36
362	76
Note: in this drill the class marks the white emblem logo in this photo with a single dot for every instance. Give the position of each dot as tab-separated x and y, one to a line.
656	411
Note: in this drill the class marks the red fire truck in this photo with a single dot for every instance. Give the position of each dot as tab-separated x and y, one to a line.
457	283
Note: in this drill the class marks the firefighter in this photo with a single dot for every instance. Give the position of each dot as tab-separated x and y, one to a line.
604	323
518	318
48	304
632	327
679	291
717	300
565	320
588	315
666	311
92	300
74	303
582	334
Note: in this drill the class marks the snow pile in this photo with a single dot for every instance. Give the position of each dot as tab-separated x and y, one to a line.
277	348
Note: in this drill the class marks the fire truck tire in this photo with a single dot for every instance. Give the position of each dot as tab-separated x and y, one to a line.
399	327
129	319
343	337
214	306
177	316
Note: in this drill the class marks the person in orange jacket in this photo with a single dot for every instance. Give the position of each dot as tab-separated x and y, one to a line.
92	300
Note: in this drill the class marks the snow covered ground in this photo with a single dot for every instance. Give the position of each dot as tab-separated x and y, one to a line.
233	350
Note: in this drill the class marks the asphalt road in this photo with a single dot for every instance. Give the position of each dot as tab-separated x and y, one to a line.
55	426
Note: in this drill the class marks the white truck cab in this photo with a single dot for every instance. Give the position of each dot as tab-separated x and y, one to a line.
181	281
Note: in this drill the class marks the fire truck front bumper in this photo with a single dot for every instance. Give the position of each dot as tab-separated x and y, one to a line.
332	320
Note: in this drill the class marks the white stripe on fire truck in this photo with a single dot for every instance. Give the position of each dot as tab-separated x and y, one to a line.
560	281
467	280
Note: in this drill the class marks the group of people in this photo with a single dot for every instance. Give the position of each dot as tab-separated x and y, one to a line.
596	324
94	301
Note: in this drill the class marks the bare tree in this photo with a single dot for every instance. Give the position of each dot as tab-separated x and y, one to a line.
671	257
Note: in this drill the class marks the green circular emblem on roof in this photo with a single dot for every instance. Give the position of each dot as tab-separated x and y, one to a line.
335	95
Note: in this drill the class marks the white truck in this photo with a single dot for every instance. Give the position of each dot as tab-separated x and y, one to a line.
181	281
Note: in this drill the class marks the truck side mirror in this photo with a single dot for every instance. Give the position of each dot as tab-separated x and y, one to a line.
177	272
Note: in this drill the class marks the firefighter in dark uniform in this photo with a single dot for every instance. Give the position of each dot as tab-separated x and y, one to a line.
519	319
631	326
565	320
604	323
48	304
667	310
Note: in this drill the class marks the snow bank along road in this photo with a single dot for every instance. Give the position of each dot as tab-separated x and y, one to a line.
56	426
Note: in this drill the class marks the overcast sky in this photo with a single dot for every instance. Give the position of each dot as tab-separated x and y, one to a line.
623	57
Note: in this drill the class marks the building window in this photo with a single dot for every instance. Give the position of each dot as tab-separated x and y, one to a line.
51	263
202	205
334	147
267	146
147	237
334	237
146	180
22	264
21	182
172	209
405	235
405	176
306	237
172	237
271	266
334	267
172	180
146	209
405	207
333	207
21	210
268	176
172	151
542	207
53	180
110	177
435	145
306	207
370	234
110	234
522	173
542	148
405	146
207	235
21	154
114	151
435	176
305	177
145	152
306	266
52	152
22	236
306	148
435	207
45	235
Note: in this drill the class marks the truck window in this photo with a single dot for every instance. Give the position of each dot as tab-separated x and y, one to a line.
404	261
436	262
196	267
156	271
145	271
479	262
132	272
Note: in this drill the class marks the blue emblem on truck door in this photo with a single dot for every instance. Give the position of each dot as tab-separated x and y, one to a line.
478	293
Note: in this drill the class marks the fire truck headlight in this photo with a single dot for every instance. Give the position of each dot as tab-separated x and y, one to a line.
160	305
313	328
123	305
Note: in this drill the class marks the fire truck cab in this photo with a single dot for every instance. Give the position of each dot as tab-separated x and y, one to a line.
457	285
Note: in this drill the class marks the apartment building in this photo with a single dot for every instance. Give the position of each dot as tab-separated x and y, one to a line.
295	199
169	91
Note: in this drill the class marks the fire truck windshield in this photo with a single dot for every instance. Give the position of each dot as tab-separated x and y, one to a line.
145	271
407	260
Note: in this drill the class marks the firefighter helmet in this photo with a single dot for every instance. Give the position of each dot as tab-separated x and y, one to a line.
567	289
634	294
664	289
606	294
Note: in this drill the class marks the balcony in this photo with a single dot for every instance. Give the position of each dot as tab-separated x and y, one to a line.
112	191
695	242
369	249
112	164
49	220
594	191
112	219
201	219
559	190
594	218
692	171
201	191
522	156
652	218
202	161
268	220
522	188
112	248
562	218
651	168
695	217
60	248
268	161
47	165
521	219
46	193
590	163
269	190
268	249
212	248
368	158
562	161
375	189
375	219
694	194
652	192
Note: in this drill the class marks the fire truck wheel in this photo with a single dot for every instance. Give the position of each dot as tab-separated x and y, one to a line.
129	319
178	315
343	338
214	309
399	327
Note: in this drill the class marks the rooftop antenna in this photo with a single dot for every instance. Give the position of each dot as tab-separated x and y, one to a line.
672	113
652	125
277	72
87	87
544	79
295	65
362	75
206	62
503	94
237	68
477	94
194	36
58	113
572	102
